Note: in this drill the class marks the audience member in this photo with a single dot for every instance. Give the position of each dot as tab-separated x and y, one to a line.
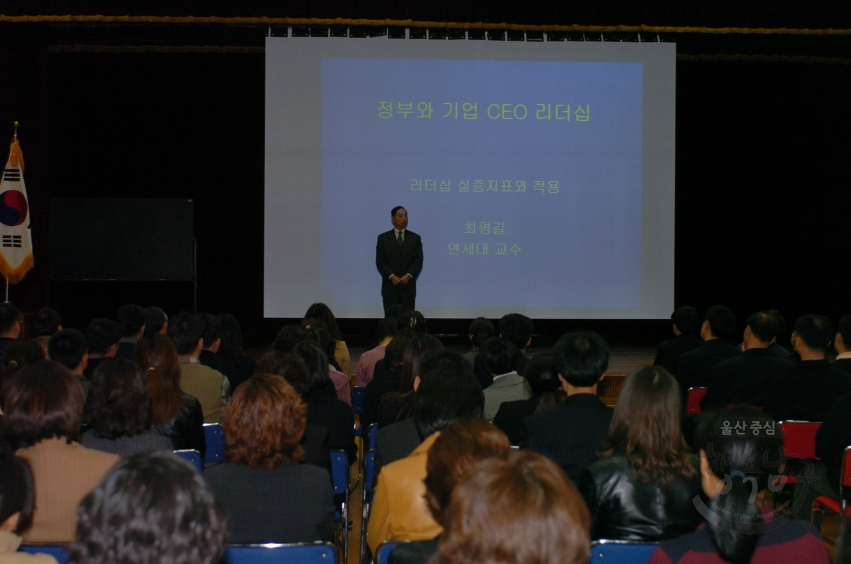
414	321
18	354
481	330
515	511
694	369
517	329
454	454
46	323
842	344
642	487
16	511
68	347
212	336
571	433
267	496
102	336
151	507
209	386
499	359
387	376
43	408
287	337
447	392
156	321
341	351
396	406
174	414
316	331
366	363
775	348
739	526
118	408
810	388
132	320
743	379
686	324
10	325
542	378
232	350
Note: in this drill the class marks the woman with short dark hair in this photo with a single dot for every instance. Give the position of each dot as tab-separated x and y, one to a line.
43	408
643	485
118	408
266	494
16	510
151	507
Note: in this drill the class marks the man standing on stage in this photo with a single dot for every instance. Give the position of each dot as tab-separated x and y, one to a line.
399	258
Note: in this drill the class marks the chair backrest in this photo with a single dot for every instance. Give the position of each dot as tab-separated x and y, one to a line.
358	393
340	471
369	471
371	436
693	399
846	470
382	555
215	438
299	553
799	438
622	552
192	456
59	552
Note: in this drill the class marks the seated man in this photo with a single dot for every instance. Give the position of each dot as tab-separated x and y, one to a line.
46	323
842	344
517	329
447	392
212	336
156	321
744	378
499	358
102	336
68	348
132	320
686	324
571	433
695	368
810	388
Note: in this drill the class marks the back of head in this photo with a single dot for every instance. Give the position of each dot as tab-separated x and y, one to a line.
386	327
323	312
155	318
158	358
455	452
687	319
746	463
316	361
645	427
516	328
21	352
118	403
481	330
9	316
764	326
582	357
519	510
542	375
395	350
448	391
43	400
815	330
46	321
101	334
288	366
415	351
499	356
212	331
287	337
185	330
263	423
150	508
721	320
131	317
232	345
17	494
67	347
417	323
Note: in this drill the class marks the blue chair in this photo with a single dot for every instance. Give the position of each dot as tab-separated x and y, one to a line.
215	439
371	436
192	456
358	393
340	479
366	498
59	552
622	552
273	553
383	553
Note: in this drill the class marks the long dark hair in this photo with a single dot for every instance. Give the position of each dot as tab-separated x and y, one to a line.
416	349
542	375
744	462
323	312
646	430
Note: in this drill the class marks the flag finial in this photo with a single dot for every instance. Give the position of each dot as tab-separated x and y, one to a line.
16	130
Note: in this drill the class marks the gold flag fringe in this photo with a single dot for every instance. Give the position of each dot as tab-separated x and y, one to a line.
15	275
17	156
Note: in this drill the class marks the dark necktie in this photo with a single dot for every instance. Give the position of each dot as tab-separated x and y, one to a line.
399	238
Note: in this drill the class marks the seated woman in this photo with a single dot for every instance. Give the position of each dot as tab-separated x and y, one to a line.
16	511
642	487
542	378
232	350
386	376
316	331
455	452
267	496
118	408
151	507
174	415
735	471
341	351
43	408
518	510
396	406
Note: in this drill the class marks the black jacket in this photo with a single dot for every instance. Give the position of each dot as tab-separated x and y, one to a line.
668	353
807	392
391	258
743	378
186	428
624	508
695	368
335	415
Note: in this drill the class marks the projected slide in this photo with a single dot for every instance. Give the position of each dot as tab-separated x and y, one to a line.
539	176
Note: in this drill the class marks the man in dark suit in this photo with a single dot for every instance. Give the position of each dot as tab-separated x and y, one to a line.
695	368
571	433
842	343
399	259
744	378
686	323
132	320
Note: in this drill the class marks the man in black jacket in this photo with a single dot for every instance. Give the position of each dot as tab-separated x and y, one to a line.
399	259
686	323
695	367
